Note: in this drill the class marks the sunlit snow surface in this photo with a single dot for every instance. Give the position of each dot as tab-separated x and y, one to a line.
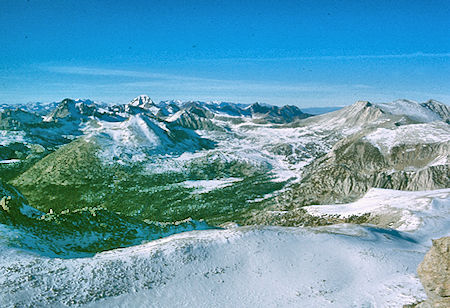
204	186
335	266
8	137
427	133
408	207
411	109
9	161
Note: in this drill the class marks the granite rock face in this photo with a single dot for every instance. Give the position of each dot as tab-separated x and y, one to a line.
434	273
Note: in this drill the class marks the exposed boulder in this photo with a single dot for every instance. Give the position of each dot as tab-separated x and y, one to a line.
434	273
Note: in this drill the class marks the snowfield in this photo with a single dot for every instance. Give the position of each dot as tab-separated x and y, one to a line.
411	109
204	186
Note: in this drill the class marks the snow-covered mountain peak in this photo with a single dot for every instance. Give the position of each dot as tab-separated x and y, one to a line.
350	118
362	104
142	101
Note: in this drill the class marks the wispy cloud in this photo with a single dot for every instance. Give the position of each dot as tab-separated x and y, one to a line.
146	79
80	70
339	57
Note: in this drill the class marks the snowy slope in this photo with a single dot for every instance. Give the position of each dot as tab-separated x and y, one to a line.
386	139
335	266
139	137
402	210
410	109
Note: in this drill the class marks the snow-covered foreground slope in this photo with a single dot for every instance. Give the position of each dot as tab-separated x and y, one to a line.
334	266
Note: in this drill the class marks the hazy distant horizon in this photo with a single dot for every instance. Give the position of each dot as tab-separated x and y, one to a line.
323	107
311	107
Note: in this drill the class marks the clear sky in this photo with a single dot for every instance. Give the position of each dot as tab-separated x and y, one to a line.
307	53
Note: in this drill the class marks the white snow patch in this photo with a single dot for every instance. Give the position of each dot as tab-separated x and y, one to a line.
174	116
7	137
440	160
239	267
9	161
204	186
385	139
411	109
385	202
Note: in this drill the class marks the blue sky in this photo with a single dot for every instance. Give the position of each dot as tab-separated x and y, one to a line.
307	53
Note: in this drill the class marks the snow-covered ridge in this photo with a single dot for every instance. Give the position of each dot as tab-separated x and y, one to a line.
242	132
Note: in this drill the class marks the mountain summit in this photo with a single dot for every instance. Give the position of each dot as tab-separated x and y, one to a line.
142	101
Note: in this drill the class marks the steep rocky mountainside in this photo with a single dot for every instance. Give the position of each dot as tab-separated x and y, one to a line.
355	164
442	110
378	149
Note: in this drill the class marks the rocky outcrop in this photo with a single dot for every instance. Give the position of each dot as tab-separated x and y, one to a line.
17	119
434	273
195	117
71	110
353	166
273	114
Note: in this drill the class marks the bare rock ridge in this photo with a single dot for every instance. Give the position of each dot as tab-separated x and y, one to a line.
355	164
442	110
